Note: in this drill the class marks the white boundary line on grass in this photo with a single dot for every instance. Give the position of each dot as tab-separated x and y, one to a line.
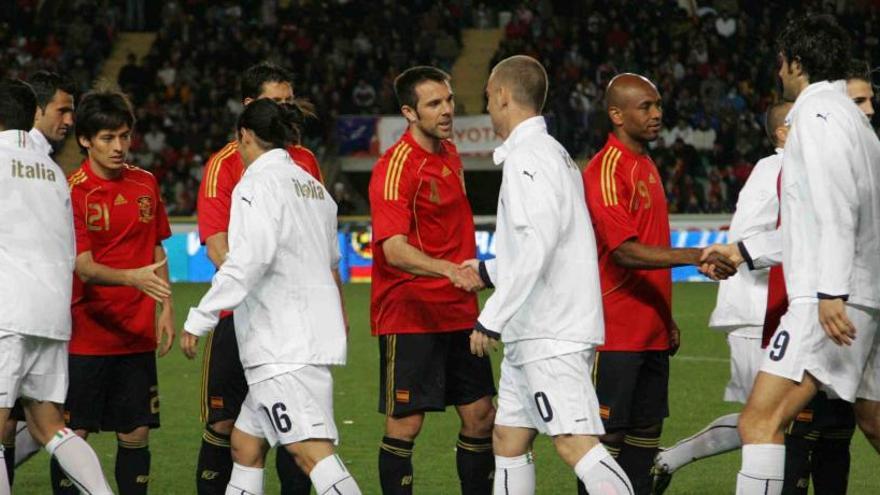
702	359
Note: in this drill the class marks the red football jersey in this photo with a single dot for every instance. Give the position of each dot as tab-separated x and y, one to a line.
121	222
222	172
777	296
626	201
420	195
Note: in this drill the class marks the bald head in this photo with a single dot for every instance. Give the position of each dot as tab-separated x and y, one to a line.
627	87
634	109
526	80
775	123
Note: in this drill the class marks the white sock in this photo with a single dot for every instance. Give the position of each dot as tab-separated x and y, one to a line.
514	475
601	474
25	444
245	480
330	474
763	469
718	437
4	481
79	462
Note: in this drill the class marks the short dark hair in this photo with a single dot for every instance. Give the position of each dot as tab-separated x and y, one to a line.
17	105
256	76
46	84
819	44
858	69
405	84
276	126
101	110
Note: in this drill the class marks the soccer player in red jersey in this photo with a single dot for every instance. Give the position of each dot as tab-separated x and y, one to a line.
628	208
421	307
120	221
224	385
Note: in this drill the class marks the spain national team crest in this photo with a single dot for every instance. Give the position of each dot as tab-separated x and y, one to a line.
145	209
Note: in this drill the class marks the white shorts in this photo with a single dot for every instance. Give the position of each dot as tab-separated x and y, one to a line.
554	396
32	367
291	407
801	345
745	361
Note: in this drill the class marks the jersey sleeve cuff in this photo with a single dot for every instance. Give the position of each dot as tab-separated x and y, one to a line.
828	297
484	276
485	331
199	324
745	254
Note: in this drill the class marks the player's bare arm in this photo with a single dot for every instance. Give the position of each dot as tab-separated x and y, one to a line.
217	246
635	255
144	278
165	321
403	256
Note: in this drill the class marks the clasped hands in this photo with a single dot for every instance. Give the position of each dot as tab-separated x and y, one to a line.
466	276
720	261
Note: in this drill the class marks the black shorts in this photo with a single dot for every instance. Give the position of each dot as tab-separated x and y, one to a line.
223	383
632	387
112	393
824	418
429	371
17	413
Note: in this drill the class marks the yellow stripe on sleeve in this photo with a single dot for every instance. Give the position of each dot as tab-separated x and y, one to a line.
396	179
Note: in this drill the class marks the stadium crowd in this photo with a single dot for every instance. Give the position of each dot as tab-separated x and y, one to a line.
69	37
716	81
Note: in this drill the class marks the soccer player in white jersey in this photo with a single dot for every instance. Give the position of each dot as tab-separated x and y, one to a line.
739	309
547	306
53	120
36	269
280	278
830	216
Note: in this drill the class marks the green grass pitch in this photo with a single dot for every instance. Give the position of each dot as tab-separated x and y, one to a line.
699	374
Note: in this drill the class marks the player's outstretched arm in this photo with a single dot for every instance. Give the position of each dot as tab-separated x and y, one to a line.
635	255
217	246
144	278
404	256
165	321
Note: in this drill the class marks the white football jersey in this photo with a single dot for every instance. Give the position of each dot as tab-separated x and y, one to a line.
278	275
742	300
547	300
36	240
831	199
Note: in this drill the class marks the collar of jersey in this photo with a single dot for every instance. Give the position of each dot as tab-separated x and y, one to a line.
625	151
18	139
40	141
532	125
267	158
407	137
838	86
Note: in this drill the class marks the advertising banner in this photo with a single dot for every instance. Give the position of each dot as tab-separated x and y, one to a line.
472	134
188	261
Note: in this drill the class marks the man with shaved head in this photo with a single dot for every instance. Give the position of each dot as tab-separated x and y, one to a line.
547	306
741	304
628	206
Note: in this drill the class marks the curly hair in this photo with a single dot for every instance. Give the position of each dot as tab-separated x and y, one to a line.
819	44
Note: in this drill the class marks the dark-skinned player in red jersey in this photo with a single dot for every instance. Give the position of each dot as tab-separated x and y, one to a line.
627	204
422	307
121	273
224	385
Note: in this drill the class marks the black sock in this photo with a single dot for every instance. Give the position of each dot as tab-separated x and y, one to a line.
215	463
61	484
132	467
9	457
637	458
395	466
614	450
293	480
830	461
797	463
476	465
